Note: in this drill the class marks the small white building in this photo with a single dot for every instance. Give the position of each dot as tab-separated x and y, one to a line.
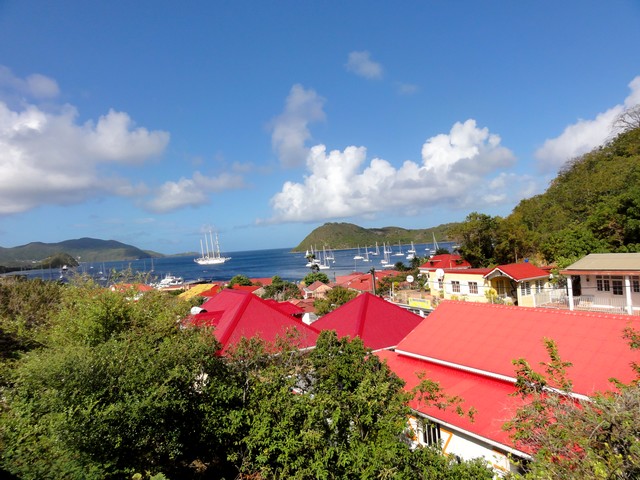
609	282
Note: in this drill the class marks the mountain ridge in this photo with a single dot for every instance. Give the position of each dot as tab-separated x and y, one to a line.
83	249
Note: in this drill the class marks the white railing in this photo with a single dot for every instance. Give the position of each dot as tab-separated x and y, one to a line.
559	299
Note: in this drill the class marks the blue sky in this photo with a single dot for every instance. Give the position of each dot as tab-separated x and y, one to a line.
151	122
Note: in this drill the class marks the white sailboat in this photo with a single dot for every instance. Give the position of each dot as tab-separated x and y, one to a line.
434	247
377	250
399	252
210	252
358	256
323	264
411	253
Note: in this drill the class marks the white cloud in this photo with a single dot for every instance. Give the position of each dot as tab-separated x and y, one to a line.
456	170
407	88
361	64
290	129
48	158
36	85
584	135
191	192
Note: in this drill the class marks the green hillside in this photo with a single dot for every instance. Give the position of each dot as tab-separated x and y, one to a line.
592	206
348	235
82	249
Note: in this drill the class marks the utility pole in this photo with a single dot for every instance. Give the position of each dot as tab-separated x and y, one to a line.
373	280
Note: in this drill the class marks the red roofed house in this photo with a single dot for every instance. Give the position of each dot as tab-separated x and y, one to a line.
445	260
316	290
239	313
515	283
362	282
378	323
469	347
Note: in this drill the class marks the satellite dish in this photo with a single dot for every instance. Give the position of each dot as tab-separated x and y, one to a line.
439	273
410	278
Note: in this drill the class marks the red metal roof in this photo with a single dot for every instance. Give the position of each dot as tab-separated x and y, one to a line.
243	314
211	292
378	323
520	271
445	260
490	397
488	337
362	281
286	307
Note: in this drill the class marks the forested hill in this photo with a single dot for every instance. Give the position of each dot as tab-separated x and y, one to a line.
592	206
348	235
86	249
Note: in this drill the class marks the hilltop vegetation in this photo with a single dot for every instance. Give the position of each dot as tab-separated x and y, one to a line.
348	235
592	206
35	254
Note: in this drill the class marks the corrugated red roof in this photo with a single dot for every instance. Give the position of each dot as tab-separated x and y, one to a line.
362	281
286	307
488	337
378	323
520	271
211	292
490	397
445	260
242	314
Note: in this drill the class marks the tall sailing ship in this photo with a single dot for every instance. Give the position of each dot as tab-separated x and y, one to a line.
210	252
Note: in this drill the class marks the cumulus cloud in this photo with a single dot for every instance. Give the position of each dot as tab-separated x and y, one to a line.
361	64
49	158
290	130
584	135
458	169
191	192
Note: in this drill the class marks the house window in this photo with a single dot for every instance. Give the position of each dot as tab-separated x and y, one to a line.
525	288
635	284
455	286
616	283
473	288
602	283
431	434
440	284
539	286
501	288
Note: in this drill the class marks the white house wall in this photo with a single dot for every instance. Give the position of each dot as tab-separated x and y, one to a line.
466	447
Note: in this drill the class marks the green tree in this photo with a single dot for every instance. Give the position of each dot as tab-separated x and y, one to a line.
240	280
335	297
315	277
572	438
477	237
116	389
345	420
281	290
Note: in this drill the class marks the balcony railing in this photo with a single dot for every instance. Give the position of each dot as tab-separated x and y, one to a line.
592	303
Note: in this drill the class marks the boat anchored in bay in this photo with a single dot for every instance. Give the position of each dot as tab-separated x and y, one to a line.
210	256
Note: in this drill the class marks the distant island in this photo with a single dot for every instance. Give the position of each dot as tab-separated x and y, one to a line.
37	255
348	235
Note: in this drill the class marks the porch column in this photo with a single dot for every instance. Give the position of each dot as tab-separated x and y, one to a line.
627	294
570	289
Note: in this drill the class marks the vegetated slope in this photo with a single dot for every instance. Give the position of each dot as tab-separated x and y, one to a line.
593	205
84	249
348	235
